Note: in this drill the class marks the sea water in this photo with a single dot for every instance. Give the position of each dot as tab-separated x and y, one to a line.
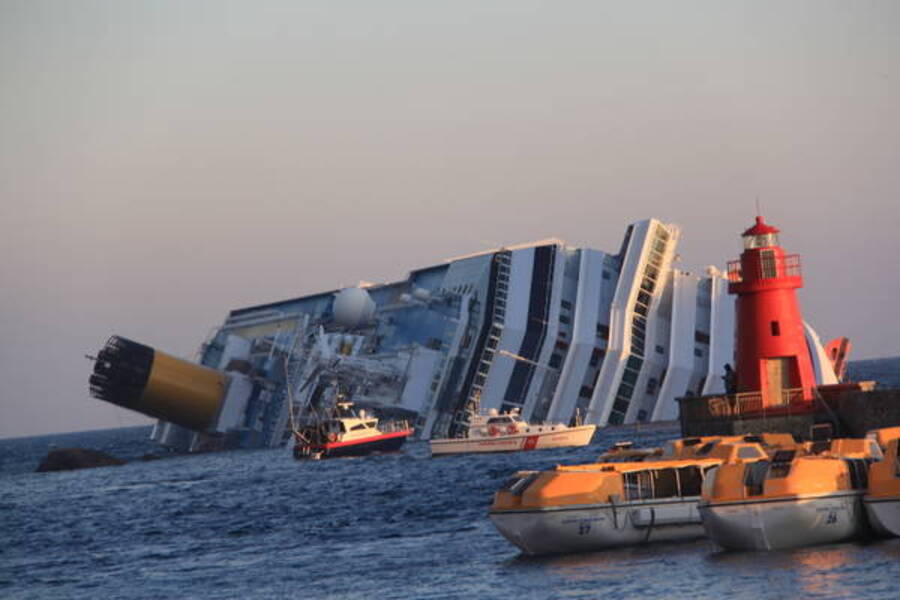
259	524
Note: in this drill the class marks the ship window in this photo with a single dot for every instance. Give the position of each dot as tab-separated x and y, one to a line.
776	328
606	275
596	356
616	418
358	427
660	350
603	331
698	352
564	319
651	385
566	304
555	361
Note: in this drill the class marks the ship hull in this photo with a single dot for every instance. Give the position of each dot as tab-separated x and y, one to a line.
777	523
574	436
388	442
884	514
599	527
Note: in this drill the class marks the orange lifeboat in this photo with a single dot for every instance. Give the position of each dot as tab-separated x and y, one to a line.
882	501
647	498
798	497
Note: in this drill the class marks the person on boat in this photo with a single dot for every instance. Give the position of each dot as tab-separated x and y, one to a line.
730	379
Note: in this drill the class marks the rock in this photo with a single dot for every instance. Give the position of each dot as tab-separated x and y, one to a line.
68	459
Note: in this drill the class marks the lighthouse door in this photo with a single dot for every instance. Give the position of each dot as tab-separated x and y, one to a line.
778	376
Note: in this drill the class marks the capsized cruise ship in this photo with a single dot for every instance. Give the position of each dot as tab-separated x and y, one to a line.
551	330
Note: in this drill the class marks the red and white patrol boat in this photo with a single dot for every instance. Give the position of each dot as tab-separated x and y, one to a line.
348	432
507	432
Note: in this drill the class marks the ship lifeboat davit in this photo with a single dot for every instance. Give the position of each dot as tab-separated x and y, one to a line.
798	497
590	507
882	501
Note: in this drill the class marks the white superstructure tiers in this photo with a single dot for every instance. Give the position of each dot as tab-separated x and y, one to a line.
546	328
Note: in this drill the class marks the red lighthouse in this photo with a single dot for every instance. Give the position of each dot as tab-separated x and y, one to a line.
772	355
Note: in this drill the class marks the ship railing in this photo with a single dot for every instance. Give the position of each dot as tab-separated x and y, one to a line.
792	401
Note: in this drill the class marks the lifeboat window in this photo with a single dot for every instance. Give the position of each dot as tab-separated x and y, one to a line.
748	452
781	464
639	485
897	462
518	484
755	477
709	481
666	481
690	480
499	420
358	427
859	472
706	448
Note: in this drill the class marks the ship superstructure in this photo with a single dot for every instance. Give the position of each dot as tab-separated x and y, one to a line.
546	329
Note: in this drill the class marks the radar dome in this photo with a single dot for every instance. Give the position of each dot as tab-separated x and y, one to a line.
353	307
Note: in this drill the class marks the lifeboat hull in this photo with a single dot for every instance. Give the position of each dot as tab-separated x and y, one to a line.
599	527
386	442
574	436
773	524
884	514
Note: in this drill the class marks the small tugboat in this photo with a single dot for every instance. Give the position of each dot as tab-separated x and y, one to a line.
611	504
508	432
799	497
882	501
348	432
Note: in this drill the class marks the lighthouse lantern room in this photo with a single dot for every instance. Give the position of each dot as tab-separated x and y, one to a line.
772	356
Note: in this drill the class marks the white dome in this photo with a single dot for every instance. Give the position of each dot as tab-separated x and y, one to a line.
353	307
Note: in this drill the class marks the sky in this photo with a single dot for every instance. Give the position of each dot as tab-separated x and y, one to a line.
163	162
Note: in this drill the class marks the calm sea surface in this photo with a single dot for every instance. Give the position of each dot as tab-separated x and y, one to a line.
260	524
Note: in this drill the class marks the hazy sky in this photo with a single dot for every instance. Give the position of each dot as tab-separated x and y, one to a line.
164	162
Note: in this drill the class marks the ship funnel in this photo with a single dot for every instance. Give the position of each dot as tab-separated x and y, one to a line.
143	379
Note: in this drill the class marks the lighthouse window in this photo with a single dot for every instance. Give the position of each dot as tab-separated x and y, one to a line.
767	264
776	328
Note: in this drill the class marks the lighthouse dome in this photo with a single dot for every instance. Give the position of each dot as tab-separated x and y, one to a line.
761	235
